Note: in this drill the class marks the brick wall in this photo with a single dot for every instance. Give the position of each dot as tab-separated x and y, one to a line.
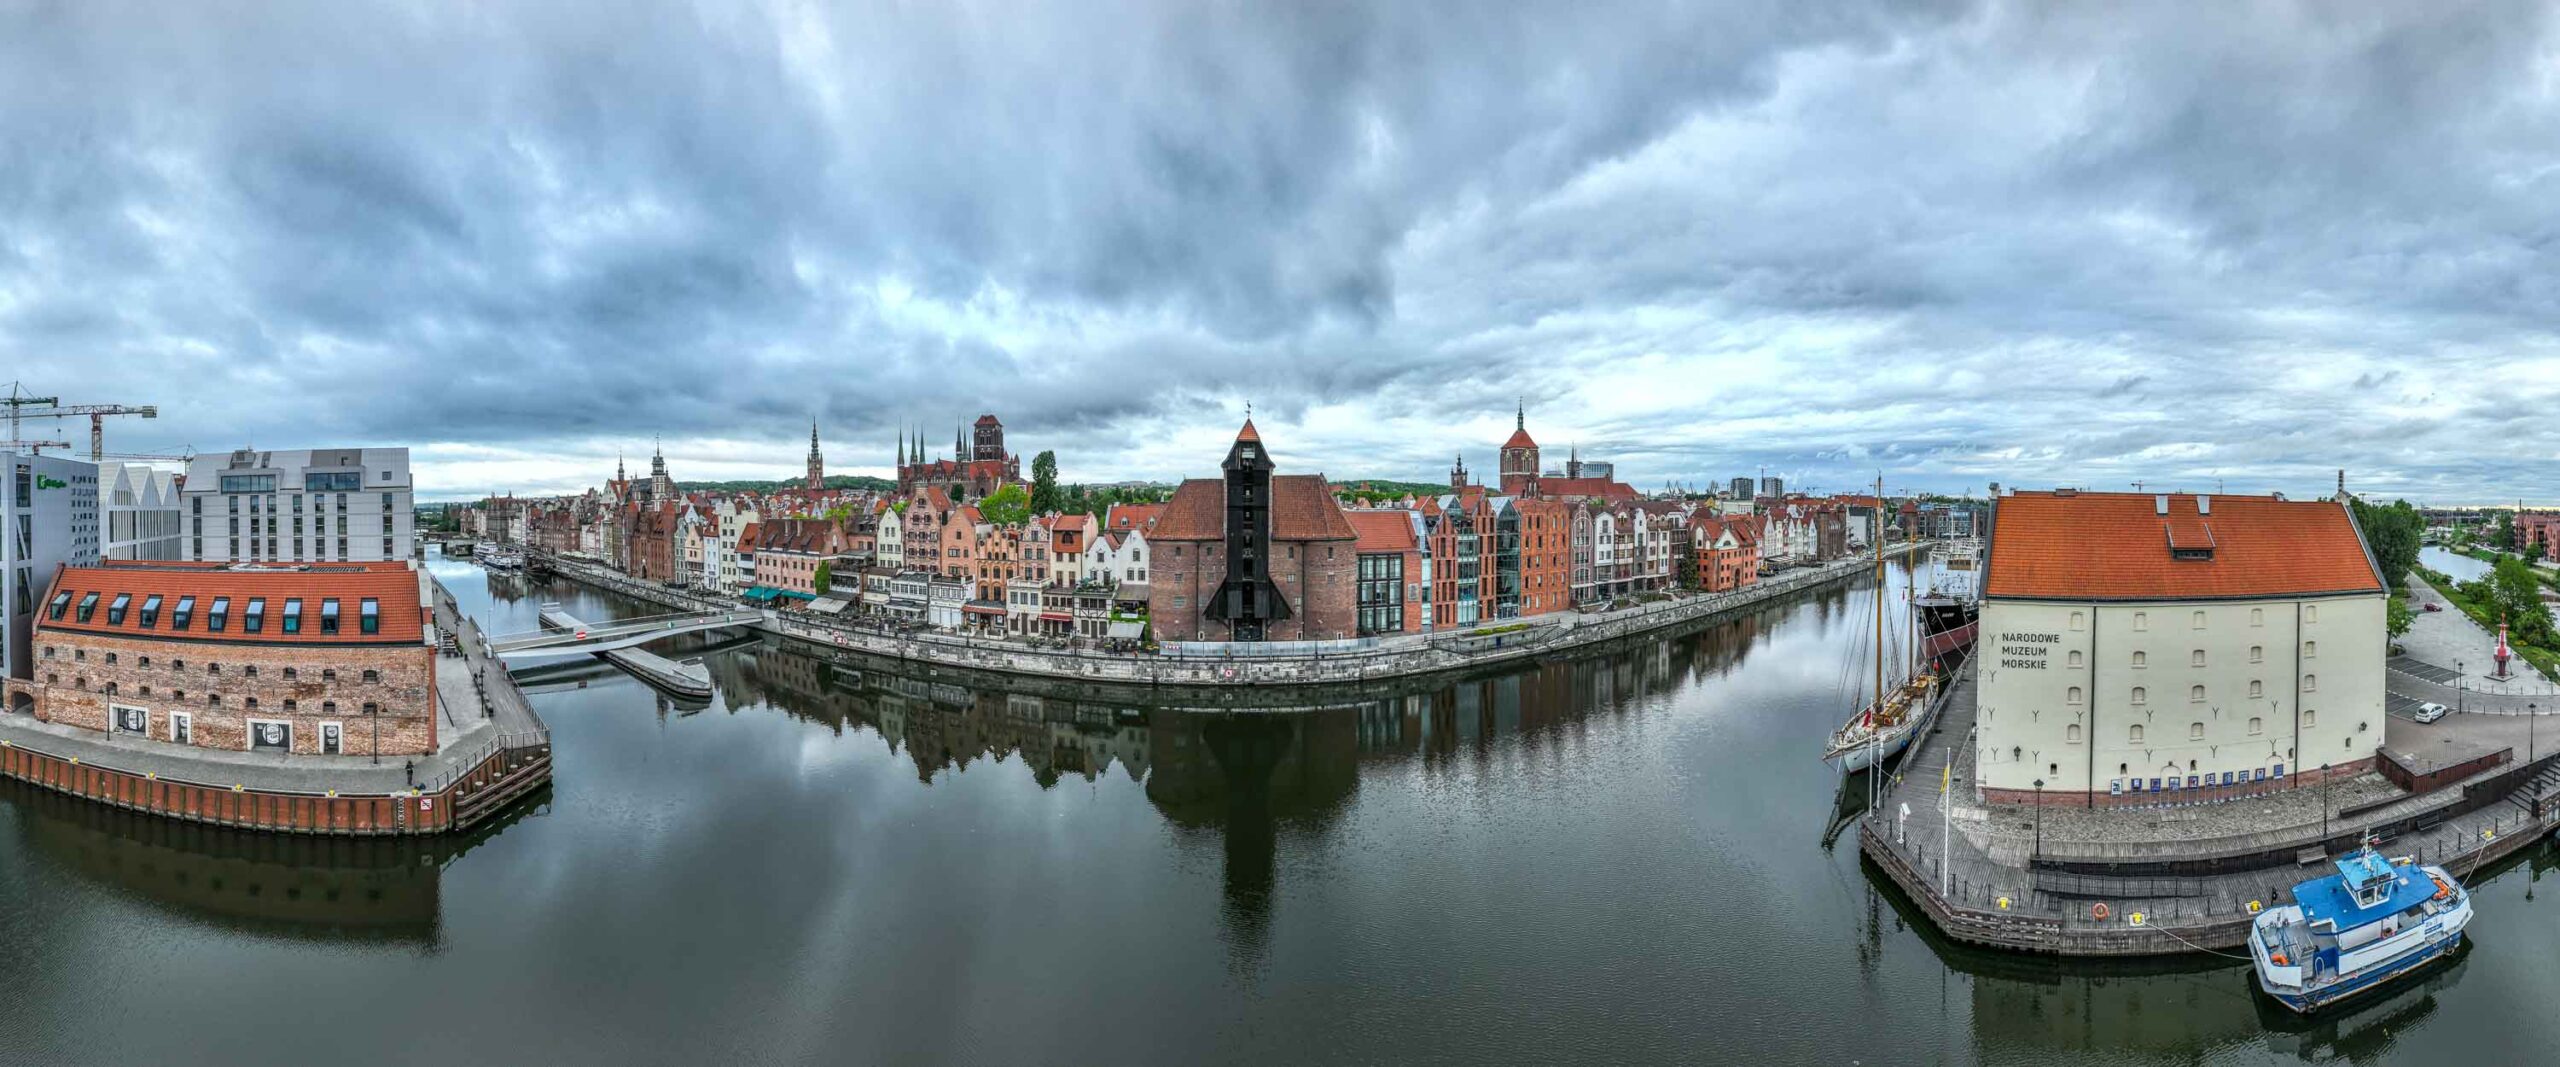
170	676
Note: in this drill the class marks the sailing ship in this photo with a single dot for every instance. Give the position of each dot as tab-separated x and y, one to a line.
1885	727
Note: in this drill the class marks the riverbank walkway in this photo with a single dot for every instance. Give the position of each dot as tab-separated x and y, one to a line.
2446	648
1371	660
2001	875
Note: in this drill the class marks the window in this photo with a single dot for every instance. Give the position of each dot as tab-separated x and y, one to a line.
328	707
2257	616
329	616
255	618
2141	620
2140	696
328	674
2195	621
185	613
2195	731
2195	694
150	611
2257	689
2311	613
182	725
88	606
2257	726
2072	697
213	668
61	603
2141	660
2079	621
2071	734
2310	683
270	736
218	615
369	616
293	615
2310	717
2195	658
2075	657
2257	653
2134	734
2311	650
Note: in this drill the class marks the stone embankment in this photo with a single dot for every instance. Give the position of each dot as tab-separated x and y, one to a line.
1398	657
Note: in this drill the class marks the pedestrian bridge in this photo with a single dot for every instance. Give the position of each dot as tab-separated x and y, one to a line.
624	633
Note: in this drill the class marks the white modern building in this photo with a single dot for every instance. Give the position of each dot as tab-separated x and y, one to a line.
2141	648
140	504
300	506
49	512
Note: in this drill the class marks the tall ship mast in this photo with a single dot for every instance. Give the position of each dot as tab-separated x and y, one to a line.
1900	710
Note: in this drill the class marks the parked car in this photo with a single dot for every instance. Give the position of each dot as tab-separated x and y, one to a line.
2429	712
2433	606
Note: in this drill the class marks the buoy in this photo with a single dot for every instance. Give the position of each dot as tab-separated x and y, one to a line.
2137	918
2004	903
2099	911
2253	908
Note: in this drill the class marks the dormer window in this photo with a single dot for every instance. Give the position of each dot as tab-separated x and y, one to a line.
219	616
185	613
116	608
254	619
293	615
151	611
61	603
2198	555
88	606
328	616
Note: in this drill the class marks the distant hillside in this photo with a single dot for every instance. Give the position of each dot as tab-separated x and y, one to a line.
836	481
1388	487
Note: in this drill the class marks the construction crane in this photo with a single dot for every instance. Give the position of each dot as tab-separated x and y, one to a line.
23	406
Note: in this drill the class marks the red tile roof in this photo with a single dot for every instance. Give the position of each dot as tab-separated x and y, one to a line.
1302	509
1249	433
1382	531
1134	516
2116	546
1593	488
394	587
1520	439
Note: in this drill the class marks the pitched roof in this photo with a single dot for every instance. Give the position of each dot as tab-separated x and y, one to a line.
1302	509
1249	433
394	587
1134	516
1520	439
2119	546
1594	488
1382	531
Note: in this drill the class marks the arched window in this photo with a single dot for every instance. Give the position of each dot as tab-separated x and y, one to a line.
2257	653
2195	694
2311	613
2140	695
2195	658
2257	726
2310	649
2135	735
2079	620
2257	689
2071	733
2072	696
2310	717
2310	683
2141	659
2195	621
2075	658
2195	731
2141	620
2257	616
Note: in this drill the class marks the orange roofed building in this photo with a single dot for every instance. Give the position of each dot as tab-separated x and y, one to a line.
2163	648
315	659
1253	555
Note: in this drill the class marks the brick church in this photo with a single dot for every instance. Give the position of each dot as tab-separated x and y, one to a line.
979	465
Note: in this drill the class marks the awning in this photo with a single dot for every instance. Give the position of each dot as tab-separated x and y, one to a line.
1056	616
795	595
981	607
1129	630
828	605
761	593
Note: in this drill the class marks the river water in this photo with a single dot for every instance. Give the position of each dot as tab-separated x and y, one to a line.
1616	859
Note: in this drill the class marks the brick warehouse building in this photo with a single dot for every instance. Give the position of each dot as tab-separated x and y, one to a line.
308	659
1254	556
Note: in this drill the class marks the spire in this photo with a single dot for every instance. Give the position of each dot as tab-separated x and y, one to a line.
1520	415
960	442
813	434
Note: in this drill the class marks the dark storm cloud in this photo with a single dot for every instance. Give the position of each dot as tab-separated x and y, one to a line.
2027	243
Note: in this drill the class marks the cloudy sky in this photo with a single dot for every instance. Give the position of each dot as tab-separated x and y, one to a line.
2031	243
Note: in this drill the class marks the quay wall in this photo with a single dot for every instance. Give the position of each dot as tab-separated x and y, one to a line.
1395	658
487	786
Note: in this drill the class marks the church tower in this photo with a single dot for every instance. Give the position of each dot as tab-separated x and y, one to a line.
1458	473
1520	458
817	466
662	489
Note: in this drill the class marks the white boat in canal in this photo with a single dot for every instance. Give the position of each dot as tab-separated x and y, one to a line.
2371	924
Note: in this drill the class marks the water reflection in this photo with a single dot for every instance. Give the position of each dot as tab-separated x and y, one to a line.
383	890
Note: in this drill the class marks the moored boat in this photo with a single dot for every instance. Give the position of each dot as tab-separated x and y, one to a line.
2371	924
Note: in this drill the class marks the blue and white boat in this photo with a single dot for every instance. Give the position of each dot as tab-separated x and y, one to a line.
2372	923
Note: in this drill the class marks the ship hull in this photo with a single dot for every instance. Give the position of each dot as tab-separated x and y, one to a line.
2368	982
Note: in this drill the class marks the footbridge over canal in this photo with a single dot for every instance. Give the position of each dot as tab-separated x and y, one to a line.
565	636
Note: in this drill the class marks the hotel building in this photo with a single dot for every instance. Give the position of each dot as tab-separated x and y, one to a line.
306	506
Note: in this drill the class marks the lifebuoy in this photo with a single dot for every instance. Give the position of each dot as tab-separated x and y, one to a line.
2099	911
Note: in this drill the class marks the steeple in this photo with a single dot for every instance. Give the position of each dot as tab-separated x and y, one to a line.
960	442
1520	415
817	466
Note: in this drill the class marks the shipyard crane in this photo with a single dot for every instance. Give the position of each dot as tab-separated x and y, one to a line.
22	406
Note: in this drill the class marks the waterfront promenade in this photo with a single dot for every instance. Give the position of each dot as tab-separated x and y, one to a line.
2173	879
1403	656
491	749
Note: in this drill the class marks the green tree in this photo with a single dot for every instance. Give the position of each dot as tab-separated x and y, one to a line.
2504	534
1009	506
2394	534
1044	484
825	579
2519	598
2398	616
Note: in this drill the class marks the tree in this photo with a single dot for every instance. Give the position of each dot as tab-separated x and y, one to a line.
2505	534
1009	506
2398	616
825	579
2394	534
2519	598
1044	484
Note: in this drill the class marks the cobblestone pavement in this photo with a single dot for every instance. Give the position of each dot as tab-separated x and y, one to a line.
2446	639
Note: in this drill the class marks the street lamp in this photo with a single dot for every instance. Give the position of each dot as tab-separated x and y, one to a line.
2038	851
2324	807
2457	686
